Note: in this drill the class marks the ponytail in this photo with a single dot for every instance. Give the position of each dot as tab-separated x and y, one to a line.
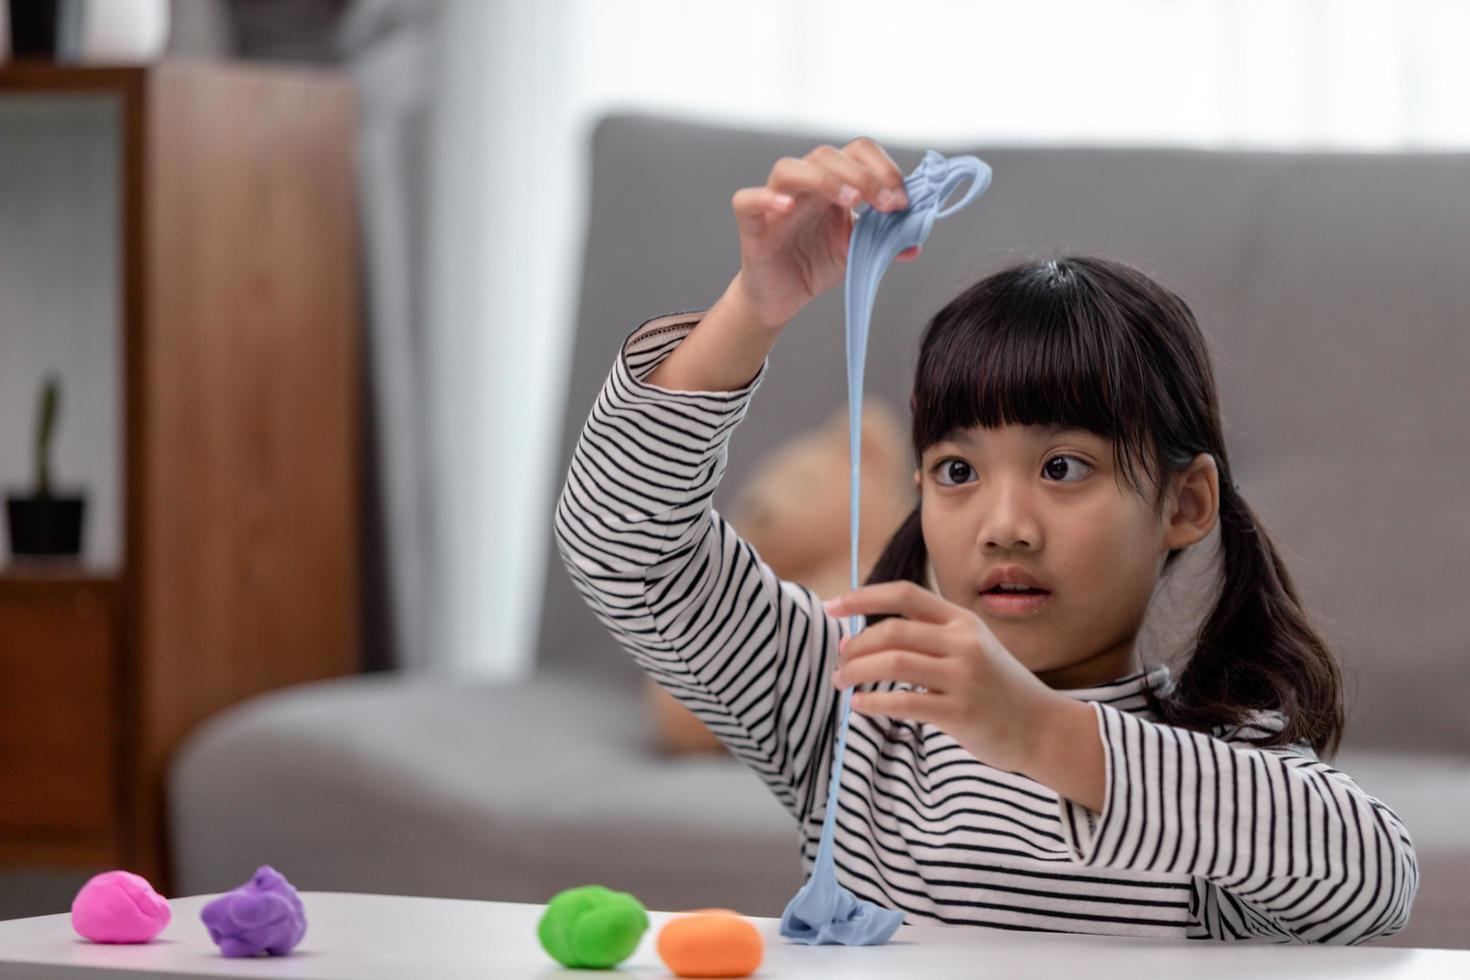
1256	648
902	558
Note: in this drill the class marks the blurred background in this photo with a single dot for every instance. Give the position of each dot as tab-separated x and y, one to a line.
303	301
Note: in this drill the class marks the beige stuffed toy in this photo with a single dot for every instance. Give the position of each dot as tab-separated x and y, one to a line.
794	513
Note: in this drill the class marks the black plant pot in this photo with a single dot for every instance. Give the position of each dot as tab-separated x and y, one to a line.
45	525
45	28
34	28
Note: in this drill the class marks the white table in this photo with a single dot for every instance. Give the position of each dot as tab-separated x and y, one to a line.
366	937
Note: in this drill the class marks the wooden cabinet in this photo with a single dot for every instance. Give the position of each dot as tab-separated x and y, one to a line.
235	364
59	714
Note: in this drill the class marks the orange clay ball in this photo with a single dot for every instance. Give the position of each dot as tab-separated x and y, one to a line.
710	943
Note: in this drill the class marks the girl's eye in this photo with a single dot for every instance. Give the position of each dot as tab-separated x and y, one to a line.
952	467
1047	466
958	469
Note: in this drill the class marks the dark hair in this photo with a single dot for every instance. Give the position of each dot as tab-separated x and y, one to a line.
1094	343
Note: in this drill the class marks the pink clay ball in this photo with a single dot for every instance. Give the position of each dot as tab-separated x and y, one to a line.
119	907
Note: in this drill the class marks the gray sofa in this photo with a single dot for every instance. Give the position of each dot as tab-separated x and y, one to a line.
1334	291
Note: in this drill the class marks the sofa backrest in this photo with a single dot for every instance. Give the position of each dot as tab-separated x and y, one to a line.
1333	289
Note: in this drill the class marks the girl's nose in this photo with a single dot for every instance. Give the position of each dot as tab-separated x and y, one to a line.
1007	521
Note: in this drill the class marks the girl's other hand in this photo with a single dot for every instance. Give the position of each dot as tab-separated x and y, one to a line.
794	230
970	685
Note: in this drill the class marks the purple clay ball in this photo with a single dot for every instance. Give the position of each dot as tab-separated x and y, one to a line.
264	915
119	907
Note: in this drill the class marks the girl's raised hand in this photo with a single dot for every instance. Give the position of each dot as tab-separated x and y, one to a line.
794	230
974	688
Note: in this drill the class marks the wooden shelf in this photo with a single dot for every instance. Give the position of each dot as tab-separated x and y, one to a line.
27	571
238	367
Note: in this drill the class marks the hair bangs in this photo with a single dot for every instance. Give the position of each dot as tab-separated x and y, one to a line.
1021	353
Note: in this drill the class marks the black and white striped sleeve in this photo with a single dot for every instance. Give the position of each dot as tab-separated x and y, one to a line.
1283	846
693	603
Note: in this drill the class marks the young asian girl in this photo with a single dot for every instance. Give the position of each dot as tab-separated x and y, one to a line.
1010	763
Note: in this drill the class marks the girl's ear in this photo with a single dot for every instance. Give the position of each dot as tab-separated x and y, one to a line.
1195	503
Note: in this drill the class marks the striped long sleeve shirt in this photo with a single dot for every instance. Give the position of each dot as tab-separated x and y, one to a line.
1201	836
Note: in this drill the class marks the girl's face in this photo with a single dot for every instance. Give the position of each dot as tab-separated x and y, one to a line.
1055	503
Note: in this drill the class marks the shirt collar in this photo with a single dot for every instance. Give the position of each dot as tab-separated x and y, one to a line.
1129	687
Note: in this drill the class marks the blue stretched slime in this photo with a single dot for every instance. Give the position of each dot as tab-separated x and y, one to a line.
823	911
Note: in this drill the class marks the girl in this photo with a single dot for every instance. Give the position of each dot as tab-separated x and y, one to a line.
1010	761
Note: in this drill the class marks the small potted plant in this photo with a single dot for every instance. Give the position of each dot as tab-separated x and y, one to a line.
45	522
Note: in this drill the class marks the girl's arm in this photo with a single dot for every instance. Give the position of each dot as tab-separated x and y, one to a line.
724	351
1282	846
693	604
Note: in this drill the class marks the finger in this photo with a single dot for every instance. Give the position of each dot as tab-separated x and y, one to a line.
748	213
908	254
805	179
903	666
900	597
910	705
855	172
755	207
877	158
893	634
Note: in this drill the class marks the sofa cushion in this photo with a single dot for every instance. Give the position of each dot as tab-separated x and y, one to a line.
398	784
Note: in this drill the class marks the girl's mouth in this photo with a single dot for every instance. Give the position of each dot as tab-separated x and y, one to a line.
1012	602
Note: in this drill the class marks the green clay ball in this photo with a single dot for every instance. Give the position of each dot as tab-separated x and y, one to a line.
592	927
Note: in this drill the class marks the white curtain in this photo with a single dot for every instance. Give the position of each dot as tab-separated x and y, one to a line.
525	81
